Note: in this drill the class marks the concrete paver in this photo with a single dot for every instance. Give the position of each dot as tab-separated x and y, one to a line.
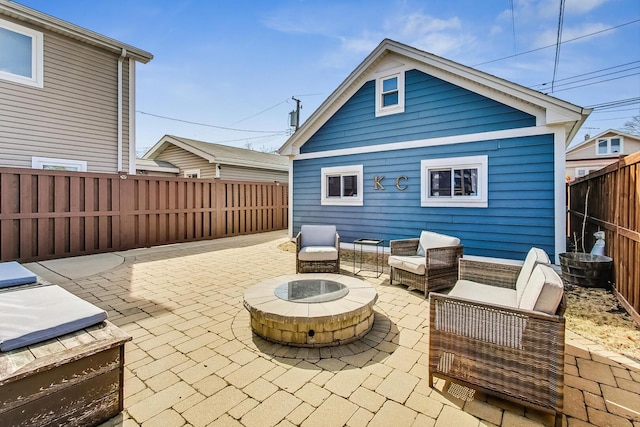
194	361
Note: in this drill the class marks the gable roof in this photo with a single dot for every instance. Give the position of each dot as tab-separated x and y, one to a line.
547	109
221	154
600	135
32	16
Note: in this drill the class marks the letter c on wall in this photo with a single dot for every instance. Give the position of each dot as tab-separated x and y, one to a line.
398	186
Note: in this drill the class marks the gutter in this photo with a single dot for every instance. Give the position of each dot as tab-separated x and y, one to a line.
123	54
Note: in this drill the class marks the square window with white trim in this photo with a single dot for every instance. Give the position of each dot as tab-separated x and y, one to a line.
49	163
21	54
341	185
192	173
390	94
454	182
606	146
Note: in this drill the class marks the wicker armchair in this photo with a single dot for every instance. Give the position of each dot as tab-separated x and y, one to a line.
318	249
511	352
434	268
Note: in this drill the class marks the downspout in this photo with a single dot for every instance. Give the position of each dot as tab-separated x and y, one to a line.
123	54
132	117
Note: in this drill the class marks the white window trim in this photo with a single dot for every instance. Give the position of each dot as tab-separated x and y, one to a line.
608	153
586	170
41	162
37	56
479	201
342	201
391	109
188	172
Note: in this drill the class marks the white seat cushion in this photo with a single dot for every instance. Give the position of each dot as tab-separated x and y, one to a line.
318	235
543	292
429	240
318	253
484	293
413	264
534	257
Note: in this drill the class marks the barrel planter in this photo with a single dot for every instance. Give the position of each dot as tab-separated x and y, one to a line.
582	269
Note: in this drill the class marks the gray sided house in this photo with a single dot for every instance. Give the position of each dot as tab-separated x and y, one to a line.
67	95
411	141
198	159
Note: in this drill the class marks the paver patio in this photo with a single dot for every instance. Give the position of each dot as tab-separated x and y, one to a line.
194	361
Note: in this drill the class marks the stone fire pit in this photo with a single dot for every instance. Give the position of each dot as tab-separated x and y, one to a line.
311	310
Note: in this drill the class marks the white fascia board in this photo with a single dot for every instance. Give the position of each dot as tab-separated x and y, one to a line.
256	165
419	143
23	13
520	97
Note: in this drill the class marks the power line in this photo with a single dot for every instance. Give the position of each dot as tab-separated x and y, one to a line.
618	111
207	125
616	103
257	114
594	72
598	82
558	43
553	45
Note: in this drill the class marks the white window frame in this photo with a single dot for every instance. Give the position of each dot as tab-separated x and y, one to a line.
37	56
70	165
325	173
586	171
608	152
191	173
390	109
470	162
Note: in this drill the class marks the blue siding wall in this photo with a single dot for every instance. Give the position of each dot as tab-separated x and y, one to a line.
433	108
520	212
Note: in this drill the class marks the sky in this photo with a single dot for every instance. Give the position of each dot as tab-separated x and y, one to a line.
237	64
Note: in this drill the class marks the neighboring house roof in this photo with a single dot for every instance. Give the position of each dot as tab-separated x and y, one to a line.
156	166
221	154
23	13
547	109
592	139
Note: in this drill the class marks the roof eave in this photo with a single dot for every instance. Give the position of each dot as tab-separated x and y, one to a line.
52	23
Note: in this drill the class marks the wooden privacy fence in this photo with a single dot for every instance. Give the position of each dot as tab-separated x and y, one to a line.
614	207
53	214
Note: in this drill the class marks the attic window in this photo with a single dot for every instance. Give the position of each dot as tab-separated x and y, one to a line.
390	94
21	54
609	146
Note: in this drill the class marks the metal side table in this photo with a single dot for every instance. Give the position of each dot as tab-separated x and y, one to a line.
377	243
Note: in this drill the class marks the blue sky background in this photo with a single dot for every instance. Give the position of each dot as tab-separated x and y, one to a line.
237	63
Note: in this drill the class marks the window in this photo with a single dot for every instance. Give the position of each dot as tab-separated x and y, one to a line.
192	173
390	94
341	185
58	164
455	182
609	146
580	172
21	54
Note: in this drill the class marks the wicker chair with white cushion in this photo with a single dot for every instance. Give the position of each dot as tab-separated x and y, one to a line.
503	338
429	263
318	249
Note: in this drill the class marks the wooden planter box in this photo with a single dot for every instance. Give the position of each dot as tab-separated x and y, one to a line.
582	269
76	379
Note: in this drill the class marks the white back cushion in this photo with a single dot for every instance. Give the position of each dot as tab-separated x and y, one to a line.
429	239
318	235
534	257
544	290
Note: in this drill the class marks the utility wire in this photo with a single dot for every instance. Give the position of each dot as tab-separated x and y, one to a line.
207	125
257	114
513	26
558	43
617	103
593	83
617	67
553	45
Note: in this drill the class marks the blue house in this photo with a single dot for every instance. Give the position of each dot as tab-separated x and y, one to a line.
411	141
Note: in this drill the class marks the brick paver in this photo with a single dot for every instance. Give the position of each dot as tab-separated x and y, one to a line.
194	361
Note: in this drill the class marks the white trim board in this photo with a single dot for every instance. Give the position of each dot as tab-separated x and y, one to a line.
432	142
